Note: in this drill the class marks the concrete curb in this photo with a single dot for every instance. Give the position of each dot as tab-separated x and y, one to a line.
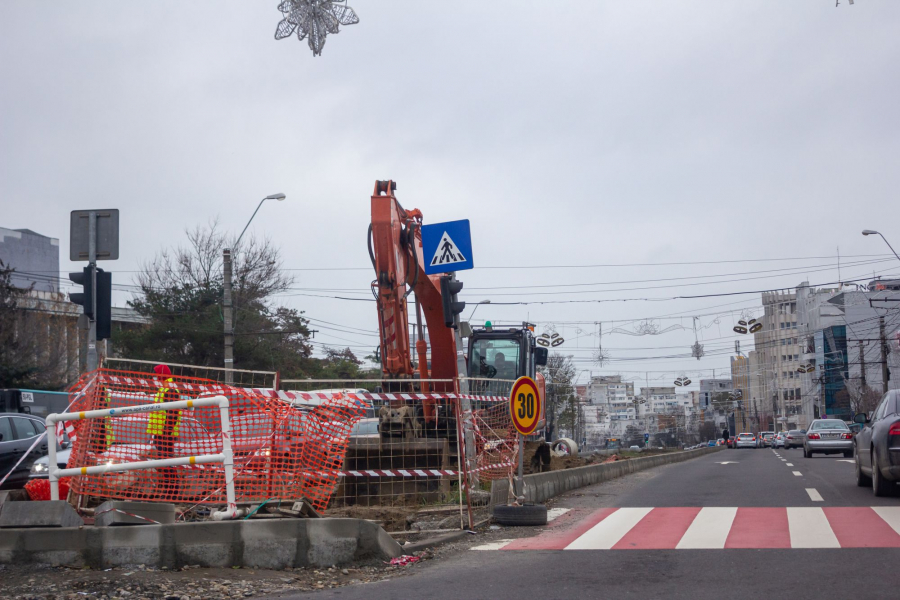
540	487
269	544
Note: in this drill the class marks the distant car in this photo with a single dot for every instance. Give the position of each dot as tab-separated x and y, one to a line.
778	440
745	440
765	438
17	433
720	442
878	446
828	436
635	448
711	443
793	438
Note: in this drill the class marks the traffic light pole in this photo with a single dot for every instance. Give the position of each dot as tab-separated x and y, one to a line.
92	358
465	404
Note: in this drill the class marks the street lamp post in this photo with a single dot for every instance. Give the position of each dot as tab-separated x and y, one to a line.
227	304
873	232
477	304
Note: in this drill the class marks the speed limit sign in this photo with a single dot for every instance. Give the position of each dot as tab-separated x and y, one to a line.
525	405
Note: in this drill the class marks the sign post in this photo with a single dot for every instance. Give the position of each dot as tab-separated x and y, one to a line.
525	411
93	236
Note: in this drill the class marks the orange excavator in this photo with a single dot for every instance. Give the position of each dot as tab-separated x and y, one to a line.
496	357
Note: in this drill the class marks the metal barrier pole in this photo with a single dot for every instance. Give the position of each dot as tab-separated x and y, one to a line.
51	458
226	457
231	511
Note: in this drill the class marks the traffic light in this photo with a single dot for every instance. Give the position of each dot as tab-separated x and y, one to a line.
85	298
104	305
452	307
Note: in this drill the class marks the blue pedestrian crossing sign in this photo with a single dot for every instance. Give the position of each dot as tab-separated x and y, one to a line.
447	247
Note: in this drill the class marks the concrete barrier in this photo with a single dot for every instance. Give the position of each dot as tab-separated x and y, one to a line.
540	487
264	544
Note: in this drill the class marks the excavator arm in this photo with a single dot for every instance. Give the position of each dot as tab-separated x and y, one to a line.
395	247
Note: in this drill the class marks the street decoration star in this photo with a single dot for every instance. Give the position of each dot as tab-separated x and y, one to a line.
314	20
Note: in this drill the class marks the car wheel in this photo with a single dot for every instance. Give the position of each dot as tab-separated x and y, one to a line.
535	514
879	485
861	479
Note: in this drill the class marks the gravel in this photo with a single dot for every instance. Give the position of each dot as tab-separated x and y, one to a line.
28	582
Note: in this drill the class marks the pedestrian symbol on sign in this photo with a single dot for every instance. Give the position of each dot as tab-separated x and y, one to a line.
447	247
447	252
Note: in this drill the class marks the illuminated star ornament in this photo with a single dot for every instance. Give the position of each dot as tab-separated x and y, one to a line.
314	19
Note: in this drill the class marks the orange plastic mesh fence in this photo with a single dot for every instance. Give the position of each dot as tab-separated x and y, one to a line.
280	450
496	441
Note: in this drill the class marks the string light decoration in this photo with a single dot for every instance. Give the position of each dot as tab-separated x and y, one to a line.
314	20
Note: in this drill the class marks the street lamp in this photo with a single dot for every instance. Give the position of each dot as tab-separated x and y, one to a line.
226	301
477	304
873	232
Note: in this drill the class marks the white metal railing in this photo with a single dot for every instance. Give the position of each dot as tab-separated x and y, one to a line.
226	457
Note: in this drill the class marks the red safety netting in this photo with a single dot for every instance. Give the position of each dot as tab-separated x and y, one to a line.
281	450
496	442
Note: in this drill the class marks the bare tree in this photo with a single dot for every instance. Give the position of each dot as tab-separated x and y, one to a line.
37	344
561	411
863	399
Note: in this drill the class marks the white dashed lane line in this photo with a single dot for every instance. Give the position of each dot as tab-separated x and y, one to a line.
798	474
814	495
789	465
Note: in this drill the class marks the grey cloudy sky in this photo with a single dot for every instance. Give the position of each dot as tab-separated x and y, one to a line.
638	131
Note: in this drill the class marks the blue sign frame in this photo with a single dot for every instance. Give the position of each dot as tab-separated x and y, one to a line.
447	247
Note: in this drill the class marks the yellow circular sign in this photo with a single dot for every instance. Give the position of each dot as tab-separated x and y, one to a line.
525	405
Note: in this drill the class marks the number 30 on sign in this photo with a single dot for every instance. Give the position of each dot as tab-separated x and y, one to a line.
525	405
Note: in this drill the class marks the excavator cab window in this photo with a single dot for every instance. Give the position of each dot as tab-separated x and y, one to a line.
495	359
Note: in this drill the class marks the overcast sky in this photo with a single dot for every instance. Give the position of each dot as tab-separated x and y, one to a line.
569	133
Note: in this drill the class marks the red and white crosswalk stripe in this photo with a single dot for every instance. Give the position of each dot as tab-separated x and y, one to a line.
710	528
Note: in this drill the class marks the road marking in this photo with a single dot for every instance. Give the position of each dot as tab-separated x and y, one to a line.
605	534
810	528
728	462
719	528
845	460
709	529
814	495
492	546
783	460
798	474
890	514
861	527
789	465
554	513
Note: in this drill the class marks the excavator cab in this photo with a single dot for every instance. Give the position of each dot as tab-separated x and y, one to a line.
497	357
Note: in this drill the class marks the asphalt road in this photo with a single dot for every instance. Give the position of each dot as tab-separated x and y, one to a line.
751	485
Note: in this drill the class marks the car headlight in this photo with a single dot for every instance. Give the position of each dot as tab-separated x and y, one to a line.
38	468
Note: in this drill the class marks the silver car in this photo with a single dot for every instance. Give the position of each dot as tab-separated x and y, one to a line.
794	437
745	440
828	436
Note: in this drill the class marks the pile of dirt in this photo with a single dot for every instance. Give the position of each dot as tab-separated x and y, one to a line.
557	463
390	518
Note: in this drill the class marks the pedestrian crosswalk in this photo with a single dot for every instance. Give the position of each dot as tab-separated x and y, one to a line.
694	528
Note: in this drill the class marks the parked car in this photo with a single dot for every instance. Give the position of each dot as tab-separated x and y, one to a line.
17	433
745	440
878	446
794	438
720	442
828	436
778	440
711	443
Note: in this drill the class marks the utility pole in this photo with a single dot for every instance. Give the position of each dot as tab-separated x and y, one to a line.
884	364
862	367
229	323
